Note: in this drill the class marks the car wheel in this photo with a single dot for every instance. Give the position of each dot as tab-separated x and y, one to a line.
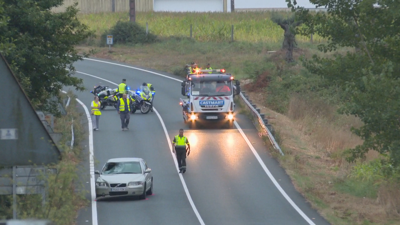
143	196
150	191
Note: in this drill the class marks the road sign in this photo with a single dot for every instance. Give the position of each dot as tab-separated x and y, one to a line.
109	39
8	134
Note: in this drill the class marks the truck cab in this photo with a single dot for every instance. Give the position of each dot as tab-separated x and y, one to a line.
209	98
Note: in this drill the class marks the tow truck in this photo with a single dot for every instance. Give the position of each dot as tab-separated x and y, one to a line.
210	97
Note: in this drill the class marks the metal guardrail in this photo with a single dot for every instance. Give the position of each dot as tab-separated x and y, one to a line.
72	134
262	124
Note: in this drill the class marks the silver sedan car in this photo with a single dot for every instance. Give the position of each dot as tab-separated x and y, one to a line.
124	177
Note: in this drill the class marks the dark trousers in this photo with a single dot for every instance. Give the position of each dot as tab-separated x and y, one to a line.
124	119
181	157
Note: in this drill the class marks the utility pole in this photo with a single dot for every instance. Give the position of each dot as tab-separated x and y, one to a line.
232	5
132	11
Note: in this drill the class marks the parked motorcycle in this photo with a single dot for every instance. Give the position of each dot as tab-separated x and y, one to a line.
141	100
97	89
108	97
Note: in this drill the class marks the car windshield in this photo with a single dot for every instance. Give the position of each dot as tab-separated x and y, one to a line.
211	88
122	168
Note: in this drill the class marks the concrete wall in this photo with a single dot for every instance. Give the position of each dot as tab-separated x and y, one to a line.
189	5
99	6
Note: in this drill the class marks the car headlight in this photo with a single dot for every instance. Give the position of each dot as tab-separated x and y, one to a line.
135	183
101	184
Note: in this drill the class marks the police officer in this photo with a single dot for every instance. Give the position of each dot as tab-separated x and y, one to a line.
179	147
124	108
122	88
208	67
153	91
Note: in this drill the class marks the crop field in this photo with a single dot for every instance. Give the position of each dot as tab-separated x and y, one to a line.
206	27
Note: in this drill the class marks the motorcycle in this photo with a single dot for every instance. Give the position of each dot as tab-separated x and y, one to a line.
141	100
108	97
97	89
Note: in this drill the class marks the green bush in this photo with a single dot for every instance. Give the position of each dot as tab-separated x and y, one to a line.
179	71
125	32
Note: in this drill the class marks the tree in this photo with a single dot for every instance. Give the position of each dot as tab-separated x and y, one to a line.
289	40
369	74
44	47
5	44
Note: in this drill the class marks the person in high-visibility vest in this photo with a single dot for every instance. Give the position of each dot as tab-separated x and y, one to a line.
122	88
96	112
153	92
179	147
124	109
208	67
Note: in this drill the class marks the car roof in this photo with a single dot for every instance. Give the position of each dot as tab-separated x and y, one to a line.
125	160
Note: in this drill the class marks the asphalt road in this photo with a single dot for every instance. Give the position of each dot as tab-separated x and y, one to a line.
226	182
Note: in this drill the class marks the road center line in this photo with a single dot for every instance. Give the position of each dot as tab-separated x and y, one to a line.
169	145
240	130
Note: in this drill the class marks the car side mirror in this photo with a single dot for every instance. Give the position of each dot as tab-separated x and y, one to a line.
148	170
97	172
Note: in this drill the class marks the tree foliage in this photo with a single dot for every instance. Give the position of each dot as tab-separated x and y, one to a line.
44	47
369	74
288	24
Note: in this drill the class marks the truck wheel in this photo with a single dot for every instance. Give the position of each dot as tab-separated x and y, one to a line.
229	125
192	124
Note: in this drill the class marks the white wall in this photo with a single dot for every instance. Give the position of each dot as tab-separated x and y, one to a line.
189	5
254	4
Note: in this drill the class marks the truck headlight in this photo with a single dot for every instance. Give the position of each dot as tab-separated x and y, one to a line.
230	116
135	183
193	117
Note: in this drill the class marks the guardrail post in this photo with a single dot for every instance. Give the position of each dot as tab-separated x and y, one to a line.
254	105
191	29
262	116
266	121
258	110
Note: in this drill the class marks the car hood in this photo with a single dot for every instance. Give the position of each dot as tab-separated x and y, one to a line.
121	178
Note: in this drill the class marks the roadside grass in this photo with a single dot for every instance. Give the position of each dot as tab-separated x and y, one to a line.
66	194
206	27
301	107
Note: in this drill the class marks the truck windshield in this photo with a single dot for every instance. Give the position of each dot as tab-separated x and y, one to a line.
211	88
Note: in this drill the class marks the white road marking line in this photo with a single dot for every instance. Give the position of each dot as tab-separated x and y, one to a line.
131	67
272	177
244	136
170	147
91	162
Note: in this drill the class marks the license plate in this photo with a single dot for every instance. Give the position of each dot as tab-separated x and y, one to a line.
212	117
118	189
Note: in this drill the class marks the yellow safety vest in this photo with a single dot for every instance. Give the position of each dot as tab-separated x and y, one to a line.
209	69
122	105
149	86
180	141
122	88
96	112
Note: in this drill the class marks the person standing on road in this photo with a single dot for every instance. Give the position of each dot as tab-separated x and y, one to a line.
121	88
124	108
179	147
96	112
